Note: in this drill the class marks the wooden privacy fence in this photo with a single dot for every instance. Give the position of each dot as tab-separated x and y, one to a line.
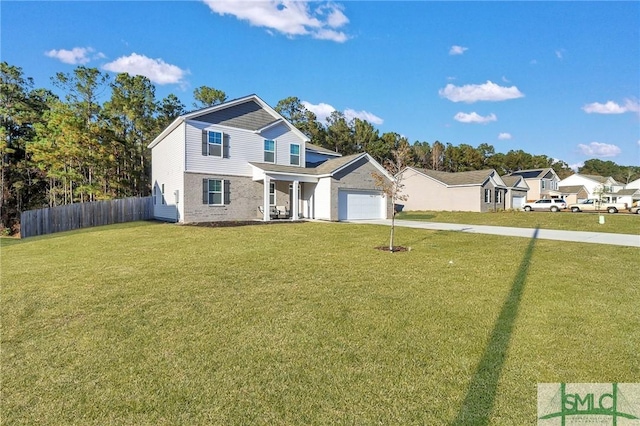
84	215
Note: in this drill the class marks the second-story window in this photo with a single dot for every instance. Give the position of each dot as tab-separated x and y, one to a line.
214	140
294	152
269	151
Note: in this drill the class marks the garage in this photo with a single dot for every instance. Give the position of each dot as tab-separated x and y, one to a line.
518	202
358	204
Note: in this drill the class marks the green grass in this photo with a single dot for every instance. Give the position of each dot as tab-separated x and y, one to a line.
158	324
620	223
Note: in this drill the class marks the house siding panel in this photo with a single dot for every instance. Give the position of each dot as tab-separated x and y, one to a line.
248	115
242	147
245	195
284	139
167	164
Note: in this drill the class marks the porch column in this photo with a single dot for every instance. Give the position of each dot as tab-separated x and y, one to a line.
266	208
295	213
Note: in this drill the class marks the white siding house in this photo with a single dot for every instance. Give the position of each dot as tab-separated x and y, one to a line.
241	160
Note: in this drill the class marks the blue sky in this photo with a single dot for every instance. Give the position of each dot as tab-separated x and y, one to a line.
554	78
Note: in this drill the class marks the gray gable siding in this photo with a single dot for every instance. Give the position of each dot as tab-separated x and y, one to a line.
247	116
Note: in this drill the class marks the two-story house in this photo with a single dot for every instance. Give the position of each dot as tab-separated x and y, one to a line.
595	186
240	159
542	183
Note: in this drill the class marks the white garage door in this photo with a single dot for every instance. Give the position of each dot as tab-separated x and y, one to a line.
518	202
354	204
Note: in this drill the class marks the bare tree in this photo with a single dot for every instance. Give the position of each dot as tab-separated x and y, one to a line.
393	188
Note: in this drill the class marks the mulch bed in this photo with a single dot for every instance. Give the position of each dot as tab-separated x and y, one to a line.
230	223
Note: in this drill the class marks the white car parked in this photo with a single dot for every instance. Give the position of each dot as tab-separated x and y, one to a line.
549	204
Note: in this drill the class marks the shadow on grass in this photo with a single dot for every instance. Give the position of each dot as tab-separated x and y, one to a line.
478	403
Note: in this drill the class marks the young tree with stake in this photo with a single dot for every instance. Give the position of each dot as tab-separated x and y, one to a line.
393	188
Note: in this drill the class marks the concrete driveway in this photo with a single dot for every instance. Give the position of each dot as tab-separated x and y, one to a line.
545	234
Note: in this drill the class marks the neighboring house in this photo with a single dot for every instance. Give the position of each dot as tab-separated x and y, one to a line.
475	191
628	196
543	183
593	184
573	194
517	189
635	184
241	159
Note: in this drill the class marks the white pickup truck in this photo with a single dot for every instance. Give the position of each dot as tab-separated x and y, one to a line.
591	205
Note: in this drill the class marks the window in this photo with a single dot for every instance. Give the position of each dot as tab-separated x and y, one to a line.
215	194
214	143
294	158
543	183
487	195
162	193
155	194
498	196
272	194
269	151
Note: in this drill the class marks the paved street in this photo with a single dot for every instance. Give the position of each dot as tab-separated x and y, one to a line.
545	234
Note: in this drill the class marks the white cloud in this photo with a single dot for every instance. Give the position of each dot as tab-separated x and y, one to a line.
350	114
75	56
323	111
504	136
156	70
457	50
611	107
598	149
479	92
560	53
288	17
474	118
576	166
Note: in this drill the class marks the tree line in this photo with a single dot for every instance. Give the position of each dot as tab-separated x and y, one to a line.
91	142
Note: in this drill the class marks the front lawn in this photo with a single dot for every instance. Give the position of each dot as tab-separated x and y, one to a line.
159	324
619	223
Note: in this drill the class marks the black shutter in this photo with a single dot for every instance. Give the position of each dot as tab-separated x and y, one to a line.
205	191
225	146
227	191
205	143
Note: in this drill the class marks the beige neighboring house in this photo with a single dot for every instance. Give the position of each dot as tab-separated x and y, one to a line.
473	191
543	183
573	194
517	189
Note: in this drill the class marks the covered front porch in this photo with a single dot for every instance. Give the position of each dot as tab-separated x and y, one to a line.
286	195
